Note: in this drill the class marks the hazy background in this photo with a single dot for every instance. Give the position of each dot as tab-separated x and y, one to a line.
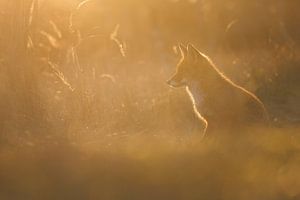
86	114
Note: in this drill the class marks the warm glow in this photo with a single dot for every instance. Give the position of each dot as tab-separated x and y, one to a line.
149	99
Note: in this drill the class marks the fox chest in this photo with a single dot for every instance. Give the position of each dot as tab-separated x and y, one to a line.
198	99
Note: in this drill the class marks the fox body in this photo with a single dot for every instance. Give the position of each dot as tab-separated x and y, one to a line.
218	102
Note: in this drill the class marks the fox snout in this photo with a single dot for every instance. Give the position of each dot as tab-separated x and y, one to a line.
176	81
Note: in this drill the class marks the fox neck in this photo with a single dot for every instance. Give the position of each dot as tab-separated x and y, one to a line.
204	86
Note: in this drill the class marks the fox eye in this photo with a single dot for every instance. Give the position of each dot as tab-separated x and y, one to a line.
185	68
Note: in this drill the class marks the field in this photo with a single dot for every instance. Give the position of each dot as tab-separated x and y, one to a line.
86	112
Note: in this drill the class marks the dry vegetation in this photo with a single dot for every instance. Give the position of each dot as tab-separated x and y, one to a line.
86	114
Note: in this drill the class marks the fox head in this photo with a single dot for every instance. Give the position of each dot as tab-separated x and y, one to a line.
189	67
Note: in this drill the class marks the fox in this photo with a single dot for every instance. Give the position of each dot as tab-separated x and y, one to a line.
218	102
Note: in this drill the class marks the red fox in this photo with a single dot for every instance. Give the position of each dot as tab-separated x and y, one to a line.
218	102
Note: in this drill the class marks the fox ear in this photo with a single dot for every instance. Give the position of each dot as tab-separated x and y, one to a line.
183	50
193	52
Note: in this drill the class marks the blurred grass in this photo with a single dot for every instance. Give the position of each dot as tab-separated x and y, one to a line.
260	165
